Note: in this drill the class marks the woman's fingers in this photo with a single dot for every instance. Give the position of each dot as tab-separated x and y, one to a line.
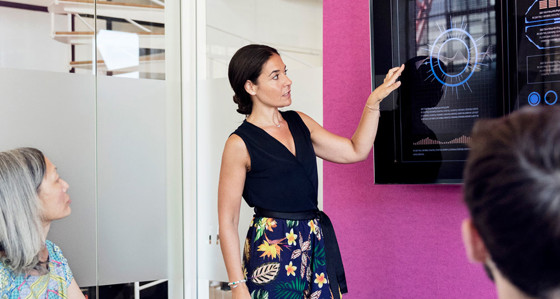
394	74
395	69
395	85
390	88
389	84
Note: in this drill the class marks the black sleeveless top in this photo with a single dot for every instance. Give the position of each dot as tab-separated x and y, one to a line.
278	180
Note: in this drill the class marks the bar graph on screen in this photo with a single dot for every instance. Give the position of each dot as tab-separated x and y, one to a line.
459	140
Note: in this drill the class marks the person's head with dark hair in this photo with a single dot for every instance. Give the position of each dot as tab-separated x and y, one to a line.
512	190
245	67
423	89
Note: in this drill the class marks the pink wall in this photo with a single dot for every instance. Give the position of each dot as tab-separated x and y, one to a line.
396	241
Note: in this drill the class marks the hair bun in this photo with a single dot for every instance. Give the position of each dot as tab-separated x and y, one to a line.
236	99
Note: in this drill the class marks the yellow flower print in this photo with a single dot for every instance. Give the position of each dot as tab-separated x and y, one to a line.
291	237
247	249
270	248
313	226
291	269
320	279
270	224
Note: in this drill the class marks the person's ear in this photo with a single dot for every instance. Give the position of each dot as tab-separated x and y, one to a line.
250	87
474	246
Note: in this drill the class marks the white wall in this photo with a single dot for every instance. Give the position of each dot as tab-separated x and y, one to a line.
26	43
295	28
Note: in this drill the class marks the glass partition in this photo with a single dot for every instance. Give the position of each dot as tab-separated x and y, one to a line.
45	105
96	85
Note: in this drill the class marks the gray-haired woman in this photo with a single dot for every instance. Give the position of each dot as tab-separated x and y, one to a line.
32	195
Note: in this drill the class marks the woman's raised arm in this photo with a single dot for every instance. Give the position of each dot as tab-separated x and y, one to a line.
338	149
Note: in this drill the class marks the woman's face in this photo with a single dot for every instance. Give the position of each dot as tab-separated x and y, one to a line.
273	87
55	203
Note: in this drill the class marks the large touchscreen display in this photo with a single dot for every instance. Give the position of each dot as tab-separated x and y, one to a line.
449	51
453	68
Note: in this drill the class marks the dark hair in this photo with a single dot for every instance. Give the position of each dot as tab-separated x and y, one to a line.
246	64
423	90
512	189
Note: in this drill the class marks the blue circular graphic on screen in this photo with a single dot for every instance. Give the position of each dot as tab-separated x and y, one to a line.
550	97
468	57
464	52
534	98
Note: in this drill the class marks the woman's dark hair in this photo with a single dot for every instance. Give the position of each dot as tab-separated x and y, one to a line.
246	64
512	189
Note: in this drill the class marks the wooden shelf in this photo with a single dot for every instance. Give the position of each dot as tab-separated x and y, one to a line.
147	40
114	3
43	3
148	64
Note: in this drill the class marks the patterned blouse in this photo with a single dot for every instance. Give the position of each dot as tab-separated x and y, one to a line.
53	285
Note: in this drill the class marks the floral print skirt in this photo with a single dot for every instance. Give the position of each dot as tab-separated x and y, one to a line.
285	259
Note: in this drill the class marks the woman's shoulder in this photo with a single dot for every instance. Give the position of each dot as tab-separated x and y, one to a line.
55	253
290	114
235	140
59	263
243	127
244	133
296	115
303	118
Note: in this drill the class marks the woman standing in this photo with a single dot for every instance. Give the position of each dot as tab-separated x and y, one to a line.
32	195
270	161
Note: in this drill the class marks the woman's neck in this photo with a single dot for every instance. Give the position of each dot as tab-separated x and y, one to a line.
46	228
271	117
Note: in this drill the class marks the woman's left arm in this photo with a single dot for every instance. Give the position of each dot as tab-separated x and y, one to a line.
334	148
74	291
